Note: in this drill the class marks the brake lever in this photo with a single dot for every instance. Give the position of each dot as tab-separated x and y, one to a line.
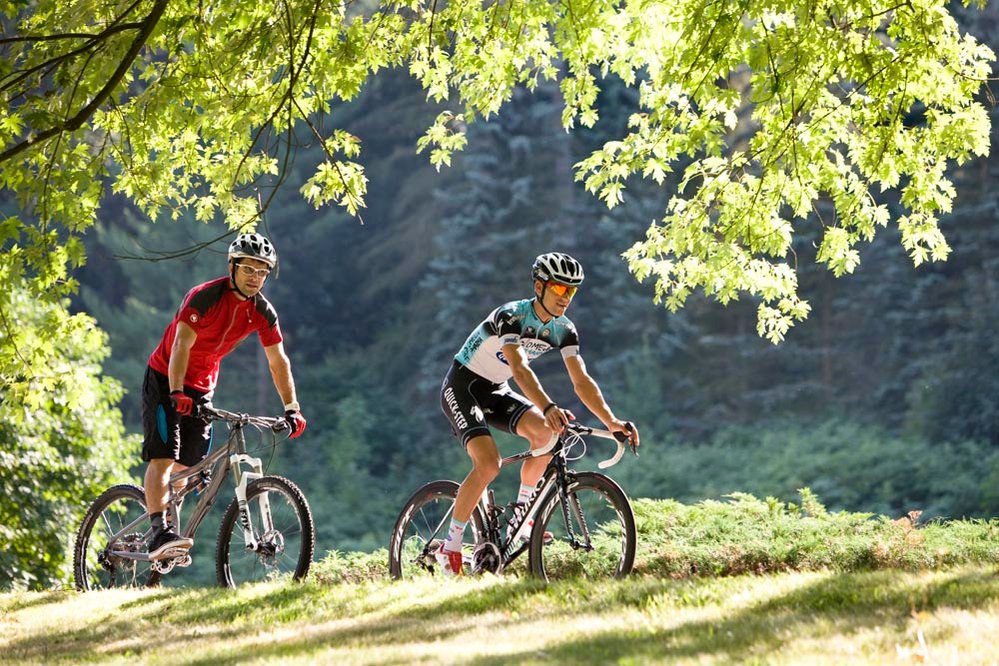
201	411
621	437
624	439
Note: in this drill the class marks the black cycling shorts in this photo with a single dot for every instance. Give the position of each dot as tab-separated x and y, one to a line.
181	438
472	404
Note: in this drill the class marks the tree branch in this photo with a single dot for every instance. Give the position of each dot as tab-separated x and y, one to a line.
83	114
113	28
92	36
289	93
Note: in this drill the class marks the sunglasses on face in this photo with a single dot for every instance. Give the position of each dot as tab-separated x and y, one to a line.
250	271
560	289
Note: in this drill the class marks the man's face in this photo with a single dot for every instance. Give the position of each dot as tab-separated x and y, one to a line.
250	275
557	296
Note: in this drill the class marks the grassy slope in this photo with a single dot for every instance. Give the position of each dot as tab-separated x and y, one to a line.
740	581
813	617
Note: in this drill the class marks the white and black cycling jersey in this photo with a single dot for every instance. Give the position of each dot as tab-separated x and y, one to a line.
516	323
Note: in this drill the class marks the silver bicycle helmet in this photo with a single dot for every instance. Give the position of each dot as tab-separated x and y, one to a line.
559	267
253	246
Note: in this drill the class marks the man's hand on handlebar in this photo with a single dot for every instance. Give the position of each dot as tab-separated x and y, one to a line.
296	421
557	418
181	402
628	428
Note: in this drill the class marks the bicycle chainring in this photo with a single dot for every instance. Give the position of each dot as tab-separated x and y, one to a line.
163	566
486	557
179	557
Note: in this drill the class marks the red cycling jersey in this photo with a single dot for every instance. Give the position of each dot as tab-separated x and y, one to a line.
222	320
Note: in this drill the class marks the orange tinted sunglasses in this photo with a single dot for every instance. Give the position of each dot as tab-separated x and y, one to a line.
560	289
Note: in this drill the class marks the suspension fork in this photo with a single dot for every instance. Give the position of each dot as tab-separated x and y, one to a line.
242	479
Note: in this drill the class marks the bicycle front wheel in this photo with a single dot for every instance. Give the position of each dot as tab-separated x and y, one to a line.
592	537
96	566
281	523
422	525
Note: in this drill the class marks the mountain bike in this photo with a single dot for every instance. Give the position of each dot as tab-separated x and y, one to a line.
267	530
588	519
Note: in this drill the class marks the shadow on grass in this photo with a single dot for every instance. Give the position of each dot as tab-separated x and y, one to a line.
161	594
848	602
367	619
223	615
19	602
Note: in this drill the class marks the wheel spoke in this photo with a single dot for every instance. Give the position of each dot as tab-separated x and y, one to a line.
94	566
601	526
418	525
284	547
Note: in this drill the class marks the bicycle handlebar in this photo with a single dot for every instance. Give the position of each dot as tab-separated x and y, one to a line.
619	437
274	423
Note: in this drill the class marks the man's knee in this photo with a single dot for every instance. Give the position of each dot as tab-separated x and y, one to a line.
535	430
542	437
160	465
487	468
485	457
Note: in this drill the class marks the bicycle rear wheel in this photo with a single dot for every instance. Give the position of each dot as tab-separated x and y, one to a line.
281	523
94	567
422	525
602	530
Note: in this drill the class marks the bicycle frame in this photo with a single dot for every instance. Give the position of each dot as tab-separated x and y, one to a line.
556	474
235	451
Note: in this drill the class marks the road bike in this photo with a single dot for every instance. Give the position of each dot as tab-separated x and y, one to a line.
588	519
266	532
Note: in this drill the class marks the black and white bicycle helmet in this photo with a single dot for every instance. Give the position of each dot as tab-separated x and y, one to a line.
253	246
559	267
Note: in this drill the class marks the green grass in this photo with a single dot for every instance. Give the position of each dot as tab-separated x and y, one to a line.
742	581
813	617
747	535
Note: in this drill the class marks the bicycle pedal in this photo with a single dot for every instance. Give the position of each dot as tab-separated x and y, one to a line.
176	553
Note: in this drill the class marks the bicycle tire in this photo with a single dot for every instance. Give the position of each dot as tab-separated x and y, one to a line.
293	519
118	505
414	527
609	520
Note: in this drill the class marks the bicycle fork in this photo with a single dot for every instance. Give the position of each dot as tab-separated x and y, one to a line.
242	479
570	507
577	510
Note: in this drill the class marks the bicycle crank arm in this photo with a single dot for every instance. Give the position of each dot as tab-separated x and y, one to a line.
144	557
170	554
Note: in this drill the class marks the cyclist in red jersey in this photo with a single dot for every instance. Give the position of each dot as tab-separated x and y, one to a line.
183	369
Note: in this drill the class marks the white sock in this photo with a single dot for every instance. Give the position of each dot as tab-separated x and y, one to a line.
455	535
522	496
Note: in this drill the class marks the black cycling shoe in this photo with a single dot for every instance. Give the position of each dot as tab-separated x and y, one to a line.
166	540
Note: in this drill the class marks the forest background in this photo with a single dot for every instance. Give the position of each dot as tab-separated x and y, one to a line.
884	400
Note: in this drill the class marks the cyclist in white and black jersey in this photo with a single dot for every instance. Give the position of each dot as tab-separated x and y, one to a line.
475	394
